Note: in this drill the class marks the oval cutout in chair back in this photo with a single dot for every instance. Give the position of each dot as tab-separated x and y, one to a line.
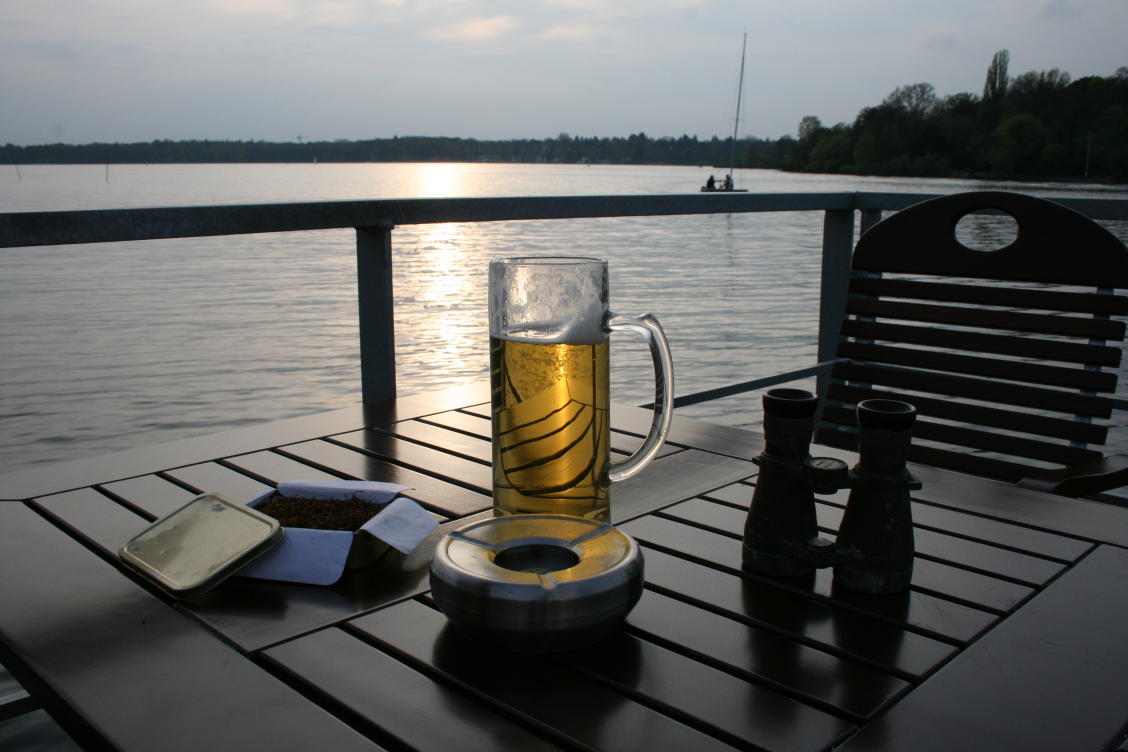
986	232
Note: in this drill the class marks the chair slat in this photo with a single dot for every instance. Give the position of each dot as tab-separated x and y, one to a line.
980	415
999	344
978	389
964	462
1008	353
924	430
982	318
1029	373
1014	297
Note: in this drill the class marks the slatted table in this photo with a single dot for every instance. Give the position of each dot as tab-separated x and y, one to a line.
1011	636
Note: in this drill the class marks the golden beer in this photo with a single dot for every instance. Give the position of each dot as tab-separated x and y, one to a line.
550	427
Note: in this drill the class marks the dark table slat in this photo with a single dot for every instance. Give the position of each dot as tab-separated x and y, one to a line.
1051	677
404	704
769	657
1021	538
425	459
693	432
104	523
737	493
151	493
134	667
460	420
479	411
455	442
438	495
747	713
993	559
922	611
672	478
274	468
1029	570
214	477
627	444
839	630
546	692
936	576
975	527
1089	520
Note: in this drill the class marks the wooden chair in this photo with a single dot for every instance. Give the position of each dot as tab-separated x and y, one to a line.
1009	355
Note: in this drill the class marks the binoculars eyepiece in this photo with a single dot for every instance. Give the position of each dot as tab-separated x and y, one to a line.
873	552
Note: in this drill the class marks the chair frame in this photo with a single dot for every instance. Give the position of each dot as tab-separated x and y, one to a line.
1012	381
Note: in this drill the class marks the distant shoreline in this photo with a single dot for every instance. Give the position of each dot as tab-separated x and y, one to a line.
636	149
1096	182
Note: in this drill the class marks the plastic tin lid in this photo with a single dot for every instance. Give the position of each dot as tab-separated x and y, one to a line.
193	549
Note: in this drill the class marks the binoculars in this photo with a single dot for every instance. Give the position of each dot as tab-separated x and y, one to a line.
873	552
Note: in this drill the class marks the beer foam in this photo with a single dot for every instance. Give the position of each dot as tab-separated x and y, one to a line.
586	328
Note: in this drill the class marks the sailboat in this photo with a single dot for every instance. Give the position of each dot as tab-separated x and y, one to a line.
726	185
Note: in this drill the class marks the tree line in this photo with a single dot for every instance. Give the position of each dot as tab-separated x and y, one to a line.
1038	124
638	148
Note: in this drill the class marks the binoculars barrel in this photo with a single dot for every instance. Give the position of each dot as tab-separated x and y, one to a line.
874	549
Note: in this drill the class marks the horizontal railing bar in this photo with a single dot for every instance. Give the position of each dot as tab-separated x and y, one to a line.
22	229
730	390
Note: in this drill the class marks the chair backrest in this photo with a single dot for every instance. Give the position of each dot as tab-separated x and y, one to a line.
1009	355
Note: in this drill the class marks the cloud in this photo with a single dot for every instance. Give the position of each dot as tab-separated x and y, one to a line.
281	8
942	41
1059	9
333	12
629	7
571	31
474	29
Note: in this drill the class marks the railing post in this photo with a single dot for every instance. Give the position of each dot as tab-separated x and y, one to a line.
838	245
870	217
375	308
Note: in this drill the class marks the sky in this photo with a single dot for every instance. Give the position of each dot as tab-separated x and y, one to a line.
79	71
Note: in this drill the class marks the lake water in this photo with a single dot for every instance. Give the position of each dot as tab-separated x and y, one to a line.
119	345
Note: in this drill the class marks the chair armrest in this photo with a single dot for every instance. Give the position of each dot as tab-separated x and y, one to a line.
1081	480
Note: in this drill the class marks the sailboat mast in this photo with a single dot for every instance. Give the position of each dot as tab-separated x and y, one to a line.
739	92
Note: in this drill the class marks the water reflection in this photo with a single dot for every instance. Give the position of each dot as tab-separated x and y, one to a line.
986	233
440	307
440	180
103	343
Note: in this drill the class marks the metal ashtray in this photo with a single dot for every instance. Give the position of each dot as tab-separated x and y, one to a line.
537	582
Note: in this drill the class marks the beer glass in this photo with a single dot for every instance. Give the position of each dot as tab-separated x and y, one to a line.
549	373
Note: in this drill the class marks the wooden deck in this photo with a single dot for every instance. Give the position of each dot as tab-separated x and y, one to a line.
1010	638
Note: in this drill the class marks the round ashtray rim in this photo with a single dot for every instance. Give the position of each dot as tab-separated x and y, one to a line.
572	611
441	558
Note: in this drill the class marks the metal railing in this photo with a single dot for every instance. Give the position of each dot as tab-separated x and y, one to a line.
374	222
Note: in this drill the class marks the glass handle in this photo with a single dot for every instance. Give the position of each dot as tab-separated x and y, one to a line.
648	326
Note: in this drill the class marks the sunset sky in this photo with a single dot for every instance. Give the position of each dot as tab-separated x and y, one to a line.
78	71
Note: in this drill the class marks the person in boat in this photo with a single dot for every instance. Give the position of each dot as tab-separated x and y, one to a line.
728	182
710	184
